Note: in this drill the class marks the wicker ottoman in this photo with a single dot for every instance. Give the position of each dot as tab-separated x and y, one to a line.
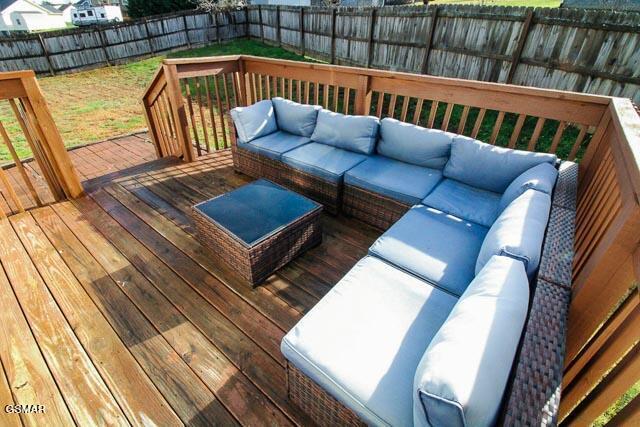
258	228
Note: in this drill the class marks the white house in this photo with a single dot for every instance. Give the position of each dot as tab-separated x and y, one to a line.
66	12
27	15
89	12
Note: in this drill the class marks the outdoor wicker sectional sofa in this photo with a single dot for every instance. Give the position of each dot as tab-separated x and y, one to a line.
425	329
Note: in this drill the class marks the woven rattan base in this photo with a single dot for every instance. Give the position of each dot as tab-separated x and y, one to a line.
327	193
315	402
256	165
258	262
372	208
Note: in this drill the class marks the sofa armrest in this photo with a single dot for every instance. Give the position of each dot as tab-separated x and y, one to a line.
534	395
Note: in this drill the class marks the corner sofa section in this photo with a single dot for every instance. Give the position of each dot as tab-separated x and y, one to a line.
423	330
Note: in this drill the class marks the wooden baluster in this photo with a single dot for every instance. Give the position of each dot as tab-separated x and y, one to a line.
234	91
282	92
162	116
392	105
254	88
220	112
557	137
169	118
578	143
346	100
379	106
290	89
19	165
299	90
496	128
478	124
203	119
536	134
164	146
317	93
432	113
418	111
516	130
325	101
405	108
10	190
187	90
260	88
212	116
41	158
336	94
463	119
306	92
447	116
226	97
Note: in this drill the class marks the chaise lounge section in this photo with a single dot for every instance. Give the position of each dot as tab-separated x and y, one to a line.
425	329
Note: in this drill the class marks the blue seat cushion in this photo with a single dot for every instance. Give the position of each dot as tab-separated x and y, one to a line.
433	245
463	374
414	144
297	119
464	201
363	341
354	133
489	167
324	161
398	180
254	121
519	231
275	144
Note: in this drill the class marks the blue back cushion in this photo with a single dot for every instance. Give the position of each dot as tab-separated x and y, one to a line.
414	144
542	178
297	119
353	133
519	231
254	121
487	166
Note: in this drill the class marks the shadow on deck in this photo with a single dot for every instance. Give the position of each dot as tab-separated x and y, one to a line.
114	312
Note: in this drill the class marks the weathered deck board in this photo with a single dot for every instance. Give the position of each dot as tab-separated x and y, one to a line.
125	271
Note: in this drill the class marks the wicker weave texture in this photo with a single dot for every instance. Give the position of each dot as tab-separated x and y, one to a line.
557	254
373	208
327	193
256	165
257	263
315	402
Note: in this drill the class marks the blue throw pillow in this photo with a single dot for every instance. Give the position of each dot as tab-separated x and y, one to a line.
254	121
487	166
414	144
542	178
353	133
295	118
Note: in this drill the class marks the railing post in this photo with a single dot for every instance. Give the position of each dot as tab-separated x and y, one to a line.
246	83
363	96
65	170
178	112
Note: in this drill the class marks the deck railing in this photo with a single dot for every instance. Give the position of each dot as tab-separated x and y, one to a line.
23	103
187	106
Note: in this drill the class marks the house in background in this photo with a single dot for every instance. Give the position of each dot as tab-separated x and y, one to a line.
66	12
91	12
27	15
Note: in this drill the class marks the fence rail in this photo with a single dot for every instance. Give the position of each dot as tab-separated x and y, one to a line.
186	109
53	176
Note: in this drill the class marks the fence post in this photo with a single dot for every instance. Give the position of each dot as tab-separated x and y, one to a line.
434	22
278	26
372	23
146	28
186	30
217	23
333	35
302	47
260	23
46	54
247	24
524	33
104	47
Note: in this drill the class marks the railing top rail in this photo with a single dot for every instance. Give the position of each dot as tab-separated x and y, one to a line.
627	123
445	81
9	75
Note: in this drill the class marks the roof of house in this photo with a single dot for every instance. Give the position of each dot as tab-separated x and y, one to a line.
49	7
4	4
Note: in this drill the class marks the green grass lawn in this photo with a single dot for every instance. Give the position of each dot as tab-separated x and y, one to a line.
529	3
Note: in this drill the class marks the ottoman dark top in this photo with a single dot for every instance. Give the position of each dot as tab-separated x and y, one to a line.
258	228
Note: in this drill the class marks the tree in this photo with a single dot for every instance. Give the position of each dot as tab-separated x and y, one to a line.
216	5
141	8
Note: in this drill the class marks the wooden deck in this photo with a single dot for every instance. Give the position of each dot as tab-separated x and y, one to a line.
113	313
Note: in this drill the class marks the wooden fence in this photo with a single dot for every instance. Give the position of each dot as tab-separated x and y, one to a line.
188	105
567	49
85	48
51	177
